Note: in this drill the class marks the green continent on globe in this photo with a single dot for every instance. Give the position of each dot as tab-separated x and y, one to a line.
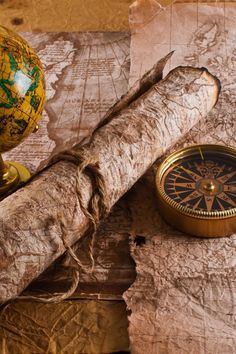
22	92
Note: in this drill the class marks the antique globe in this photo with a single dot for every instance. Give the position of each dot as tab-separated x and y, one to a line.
22	98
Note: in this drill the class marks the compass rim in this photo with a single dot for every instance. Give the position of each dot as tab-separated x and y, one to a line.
181	154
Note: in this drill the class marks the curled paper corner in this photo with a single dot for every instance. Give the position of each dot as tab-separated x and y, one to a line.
141	12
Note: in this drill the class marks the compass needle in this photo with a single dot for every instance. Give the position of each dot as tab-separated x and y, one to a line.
201	154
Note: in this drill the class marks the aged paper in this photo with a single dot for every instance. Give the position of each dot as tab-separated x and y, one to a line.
183	299
86	73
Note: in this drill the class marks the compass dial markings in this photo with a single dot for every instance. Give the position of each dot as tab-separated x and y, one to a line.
209	200
226	177
209	177
193	195
230	188
196	166
233	182
194	176
181	177
179	174
180	193
197	203
179	169
232	195
225	198
217	201
223	169
188	185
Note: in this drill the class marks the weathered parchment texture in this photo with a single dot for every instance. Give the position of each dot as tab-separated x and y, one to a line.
183	300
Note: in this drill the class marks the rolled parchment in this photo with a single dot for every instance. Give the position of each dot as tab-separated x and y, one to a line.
32	234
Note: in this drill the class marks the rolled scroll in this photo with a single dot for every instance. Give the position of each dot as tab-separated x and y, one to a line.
32	234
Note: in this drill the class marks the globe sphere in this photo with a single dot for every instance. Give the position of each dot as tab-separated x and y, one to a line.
22	89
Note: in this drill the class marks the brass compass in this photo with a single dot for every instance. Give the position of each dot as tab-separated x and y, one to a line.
196	190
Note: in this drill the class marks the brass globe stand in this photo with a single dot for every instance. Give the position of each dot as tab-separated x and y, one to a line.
11	175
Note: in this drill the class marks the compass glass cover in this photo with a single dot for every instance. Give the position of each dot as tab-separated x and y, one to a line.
204	181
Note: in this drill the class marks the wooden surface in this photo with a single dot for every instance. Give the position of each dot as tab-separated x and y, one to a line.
66	15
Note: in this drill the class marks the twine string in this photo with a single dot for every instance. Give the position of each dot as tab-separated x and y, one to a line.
95	211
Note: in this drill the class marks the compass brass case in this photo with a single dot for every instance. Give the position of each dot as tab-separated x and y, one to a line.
12	174
197	221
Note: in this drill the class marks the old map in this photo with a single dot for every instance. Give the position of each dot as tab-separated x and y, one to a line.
183	300
85	74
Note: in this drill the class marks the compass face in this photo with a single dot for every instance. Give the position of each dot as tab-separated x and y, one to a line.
204	181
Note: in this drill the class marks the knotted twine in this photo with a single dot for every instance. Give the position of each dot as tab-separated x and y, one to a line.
95	211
